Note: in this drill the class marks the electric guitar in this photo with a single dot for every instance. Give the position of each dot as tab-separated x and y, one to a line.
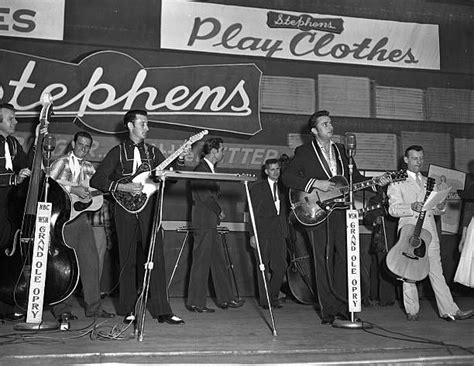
314	207
93	202
407	259
135	203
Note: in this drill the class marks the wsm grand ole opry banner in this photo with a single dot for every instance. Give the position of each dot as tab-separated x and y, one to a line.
102	86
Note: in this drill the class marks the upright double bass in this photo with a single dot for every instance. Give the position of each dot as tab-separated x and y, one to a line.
62	272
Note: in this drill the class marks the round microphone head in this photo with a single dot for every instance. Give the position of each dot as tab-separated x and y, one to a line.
350	140
49	142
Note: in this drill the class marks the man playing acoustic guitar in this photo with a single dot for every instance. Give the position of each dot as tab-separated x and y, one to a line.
406	202
73	172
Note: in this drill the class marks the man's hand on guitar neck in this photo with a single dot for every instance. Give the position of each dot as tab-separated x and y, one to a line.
324	185
383	180
133	188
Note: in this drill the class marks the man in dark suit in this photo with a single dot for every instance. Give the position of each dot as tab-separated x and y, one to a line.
270	216
207	252
311	168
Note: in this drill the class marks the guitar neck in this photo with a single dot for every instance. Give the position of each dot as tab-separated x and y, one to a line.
369	208
169	159
360	185
96	193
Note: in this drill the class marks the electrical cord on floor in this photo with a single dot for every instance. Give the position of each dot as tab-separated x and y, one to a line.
411	338
95	330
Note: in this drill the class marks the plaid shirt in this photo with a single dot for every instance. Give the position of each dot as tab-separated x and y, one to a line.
61	172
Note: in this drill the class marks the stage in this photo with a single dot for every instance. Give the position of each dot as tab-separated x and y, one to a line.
244	335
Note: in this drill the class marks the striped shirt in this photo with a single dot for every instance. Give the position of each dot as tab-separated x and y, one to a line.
62	173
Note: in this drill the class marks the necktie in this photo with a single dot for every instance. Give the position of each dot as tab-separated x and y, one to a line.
275	191
419	181
137	161
8	157
75	167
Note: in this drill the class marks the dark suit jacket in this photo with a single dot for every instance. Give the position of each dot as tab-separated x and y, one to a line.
269	224
309	165
206	208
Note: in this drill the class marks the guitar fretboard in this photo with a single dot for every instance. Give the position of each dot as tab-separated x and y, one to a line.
360	185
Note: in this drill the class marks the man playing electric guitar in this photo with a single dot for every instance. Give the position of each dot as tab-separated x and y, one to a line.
406	202
133	228
311	168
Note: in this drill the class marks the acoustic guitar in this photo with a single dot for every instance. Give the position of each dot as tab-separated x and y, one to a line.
92	202
135	203
314	207
407	259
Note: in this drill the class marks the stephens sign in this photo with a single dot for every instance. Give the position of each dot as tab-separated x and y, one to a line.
250	31
103	86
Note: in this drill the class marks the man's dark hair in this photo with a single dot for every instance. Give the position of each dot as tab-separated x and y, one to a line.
211	143
131	115
7	106
313	120
84	134
413	147
269	162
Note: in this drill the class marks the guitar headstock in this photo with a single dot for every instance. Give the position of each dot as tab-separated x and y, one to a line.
430	184
46	110
399	176
197	137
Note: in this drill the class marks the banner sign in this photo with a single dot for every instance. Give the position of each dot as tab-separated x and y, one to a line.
32	19
103	86
39	263
247	31
353	261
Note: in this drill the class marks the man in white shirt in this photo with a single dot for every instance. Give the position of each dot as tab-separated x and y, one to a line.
406	202
269	209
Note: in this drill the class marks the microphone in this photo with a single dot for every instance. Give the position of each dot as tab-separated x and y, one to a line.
350	142
49	144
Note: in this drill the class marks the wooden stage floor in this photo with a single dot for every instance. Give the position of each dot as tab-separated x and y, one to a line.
244	336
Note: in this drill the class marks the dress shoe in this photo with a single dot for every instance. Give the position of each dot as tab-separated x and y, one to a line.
327	320
460	315
232	304
102	314
463	314
13	317
412	317
170	319
129	318
66	316
200	309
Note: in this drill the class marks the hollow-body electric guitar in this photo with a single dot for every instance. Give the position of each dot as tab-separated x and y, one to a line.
314	207
135	203
408	259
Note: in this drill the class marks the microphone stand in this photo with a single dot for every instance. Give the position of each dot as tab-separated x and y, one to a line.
353	259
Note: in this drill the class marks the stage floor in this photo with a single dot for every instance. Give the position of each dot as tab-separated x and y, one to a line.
244	335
